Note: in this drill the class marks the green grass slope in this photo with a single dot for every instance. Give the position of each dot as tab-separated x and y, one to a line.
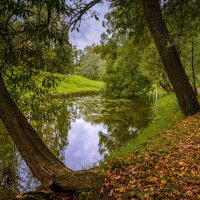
77	85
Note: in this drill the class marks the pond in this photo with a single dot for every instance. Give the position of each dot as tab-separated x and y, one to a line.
80	131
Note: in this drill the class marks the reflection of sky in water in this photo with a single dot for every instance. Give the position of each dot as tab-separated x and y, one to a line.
26	180
90	126
83	150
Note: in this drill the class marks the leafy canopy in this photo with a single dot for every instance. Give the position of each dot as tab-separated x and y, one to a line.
34	36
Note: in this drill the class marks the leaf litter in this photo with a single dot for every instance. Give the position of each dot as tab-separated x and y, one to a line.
168	168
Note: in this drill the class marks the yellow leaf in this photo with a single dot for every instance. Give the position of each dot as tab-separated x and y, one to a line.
19	196
172	178
181	163
152	189
108	171
183	173
152	179
120	190
163	181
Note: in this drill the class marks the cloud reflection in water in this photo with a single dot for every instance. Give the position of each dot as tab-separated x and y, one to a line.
83	151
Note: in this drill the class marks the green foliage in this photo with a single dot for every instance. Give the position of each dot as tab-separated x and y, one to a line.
122	76
184	28
187	58
59	59
34	37
126	22
31	88
77	57
126	19
92	66
28	30
152	67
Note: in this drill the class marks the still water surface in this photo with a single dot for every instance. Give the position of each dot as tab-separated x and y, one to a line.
79	131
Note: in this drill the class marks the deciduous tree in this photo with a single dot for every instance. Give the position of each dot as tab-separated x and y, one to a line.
170	58
25	34
137	12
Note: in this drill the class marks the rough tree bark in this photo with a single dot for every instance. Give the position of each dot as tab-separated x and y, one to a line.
44	165
192	65
170	58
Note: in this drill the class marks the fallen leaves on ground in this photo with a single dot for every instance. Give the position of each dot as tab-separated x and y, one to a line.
167	169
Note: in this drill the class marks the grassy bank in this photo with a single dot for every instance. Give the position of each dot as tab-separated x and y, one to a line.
167	113
162	163
77	86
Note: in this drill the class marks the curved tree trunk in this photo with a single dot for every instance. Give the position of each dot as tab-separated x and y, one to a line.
170	58
43	164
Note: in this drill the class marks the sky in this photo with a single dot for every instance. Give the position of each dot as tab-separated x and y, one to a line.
90	29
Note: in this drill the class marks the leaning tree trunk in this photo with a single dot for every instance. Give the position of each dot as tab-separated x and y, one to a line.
192	65
43	164
170	58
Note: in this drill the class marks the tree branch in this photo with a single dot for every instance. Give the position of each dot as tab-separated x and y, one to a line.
72	24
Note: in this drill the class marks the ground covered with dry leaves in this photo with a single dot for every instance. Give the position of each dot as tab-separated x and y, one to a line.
168	168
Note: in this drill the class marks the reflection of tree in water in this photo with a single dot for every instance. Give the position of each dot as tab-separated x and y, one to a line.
124	122
52	124
8	176
11	176
121	118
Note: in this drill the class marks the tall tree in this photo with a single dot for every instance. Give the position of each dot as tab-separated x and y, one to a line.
92	66
136	13
24	35
170	58
184	28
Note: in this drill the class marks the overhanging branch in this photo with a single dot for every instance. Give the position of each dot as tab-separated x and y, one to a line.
79	14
